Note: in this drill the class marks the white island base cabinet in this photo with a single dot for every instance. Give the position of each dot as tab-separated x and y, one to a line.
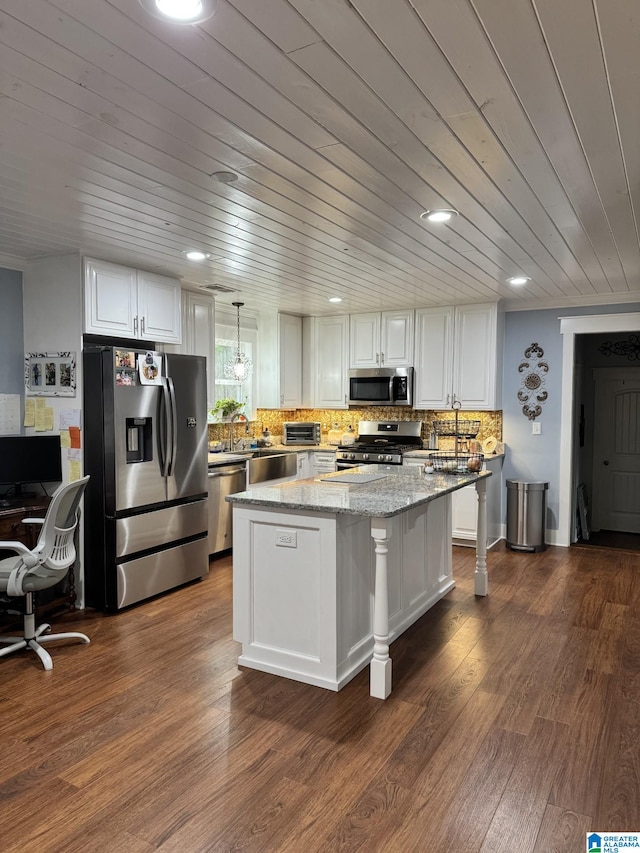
304	581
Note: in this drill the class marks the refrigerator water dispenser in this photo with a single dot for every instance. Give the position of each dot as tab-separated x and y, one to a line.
139	440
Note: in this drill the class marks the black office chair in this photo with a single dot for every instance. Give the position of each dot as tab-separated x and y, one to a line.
43	567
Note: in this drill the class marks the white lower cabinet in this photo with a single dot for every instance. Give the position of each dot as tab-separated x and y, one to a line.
303	586
464	508
464	505
322	462
304	468
414	462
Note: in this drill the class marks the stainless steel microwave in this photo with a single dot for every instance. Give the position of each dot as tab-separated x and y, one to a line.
381	386
298	432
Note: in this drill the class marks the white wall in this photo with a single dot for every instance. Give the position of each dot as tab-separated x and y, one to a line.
11	335
52	310
52	306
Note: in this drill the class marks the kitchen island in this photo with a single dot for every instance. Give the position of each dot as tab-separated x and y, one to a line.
313	598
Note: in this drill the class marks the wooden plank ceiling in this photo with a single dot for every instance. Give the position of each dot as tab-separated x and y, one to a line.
342	120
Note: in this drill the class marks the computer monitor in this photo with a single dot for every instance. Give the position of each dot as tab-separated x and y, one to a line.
28	459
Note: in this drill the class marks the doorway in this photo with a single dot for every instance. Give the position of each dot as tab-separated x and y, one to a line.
570	327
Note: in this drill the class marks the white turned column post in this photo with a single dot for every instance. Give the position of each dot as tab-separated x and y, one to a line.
481	580
380	667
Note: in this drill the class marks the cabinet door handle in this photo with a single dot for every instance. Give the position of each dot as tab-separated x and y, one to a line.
142	325
281	399
382	359
377	358
135	325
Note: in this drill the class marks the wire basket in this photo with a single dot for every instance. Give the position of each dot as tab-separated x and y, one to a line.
450	462
458	427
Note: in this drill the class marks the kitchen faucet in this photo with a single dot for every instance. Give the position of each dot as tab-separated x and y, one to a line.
236	417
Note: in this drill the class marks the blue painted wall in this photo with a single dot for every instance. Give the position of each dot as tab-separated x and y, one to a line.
537	457
11	333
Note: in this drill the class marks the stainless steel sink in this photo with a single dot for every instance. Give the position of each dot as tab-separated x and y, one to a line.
265	465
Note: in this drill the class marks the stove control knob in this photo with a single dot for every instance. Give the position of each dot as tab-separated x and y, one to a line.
345	455
380	457
365	456
352	456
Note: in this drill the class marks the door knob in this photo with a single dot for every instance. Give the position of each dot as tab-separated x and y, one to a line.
606	462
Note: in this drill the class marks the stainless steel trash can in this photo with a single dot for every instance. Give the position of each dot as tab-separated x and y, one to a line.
526	515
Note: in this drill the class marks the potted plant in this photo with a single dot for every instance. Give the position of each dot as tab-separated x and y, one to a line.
226	408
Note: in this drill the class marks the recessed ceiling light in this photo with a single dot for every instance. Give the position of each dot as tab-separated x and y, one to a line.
335	299
442	215
224	177
181	11
195	255
518	279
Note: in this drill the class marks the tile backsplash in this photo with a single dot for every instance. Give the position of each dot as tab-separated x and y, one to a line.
490	422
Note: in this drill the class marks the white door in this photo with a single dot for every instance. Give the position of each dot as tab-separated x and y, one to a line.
159	308
365	340
396	344
434	361
331	362
616	454
110	300
474	361
290	360
199	335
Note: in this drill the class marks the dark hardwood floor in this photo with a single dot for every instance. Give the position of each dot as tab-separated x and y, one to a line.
514	726
611	539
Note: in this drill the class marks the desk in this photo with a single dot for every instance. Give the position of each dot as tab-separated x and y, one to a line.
12	529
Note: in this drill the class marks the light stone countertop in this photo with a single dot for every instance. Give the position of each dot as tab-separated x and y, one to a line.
240	455
424	454
400	489
225	456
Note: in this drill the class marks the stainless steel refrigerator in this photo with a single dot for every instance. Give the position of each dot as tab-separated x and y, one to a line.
145	447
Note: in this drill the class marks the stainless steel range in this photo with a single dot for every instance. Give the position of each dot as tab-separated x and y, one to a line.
380	442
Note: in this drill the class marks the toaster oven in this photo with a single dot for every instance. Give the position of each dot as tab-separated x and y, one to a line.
299	432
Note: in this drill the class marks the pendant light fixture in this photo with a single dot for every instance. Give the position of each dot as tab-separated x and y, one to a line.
239	366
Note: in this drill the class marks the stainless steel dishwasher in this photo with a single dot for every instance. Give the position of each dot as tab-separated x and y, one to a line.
225	478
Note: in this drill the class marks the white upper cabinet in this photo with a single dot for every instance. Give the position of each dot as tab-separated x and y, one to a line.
159	307
325	362
279	361
127	303
290	351
458	357
199	334
382	340
433	380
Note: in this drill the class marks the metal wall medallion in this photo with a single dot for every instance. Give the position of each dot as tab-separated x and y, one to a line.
533	371
629	348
